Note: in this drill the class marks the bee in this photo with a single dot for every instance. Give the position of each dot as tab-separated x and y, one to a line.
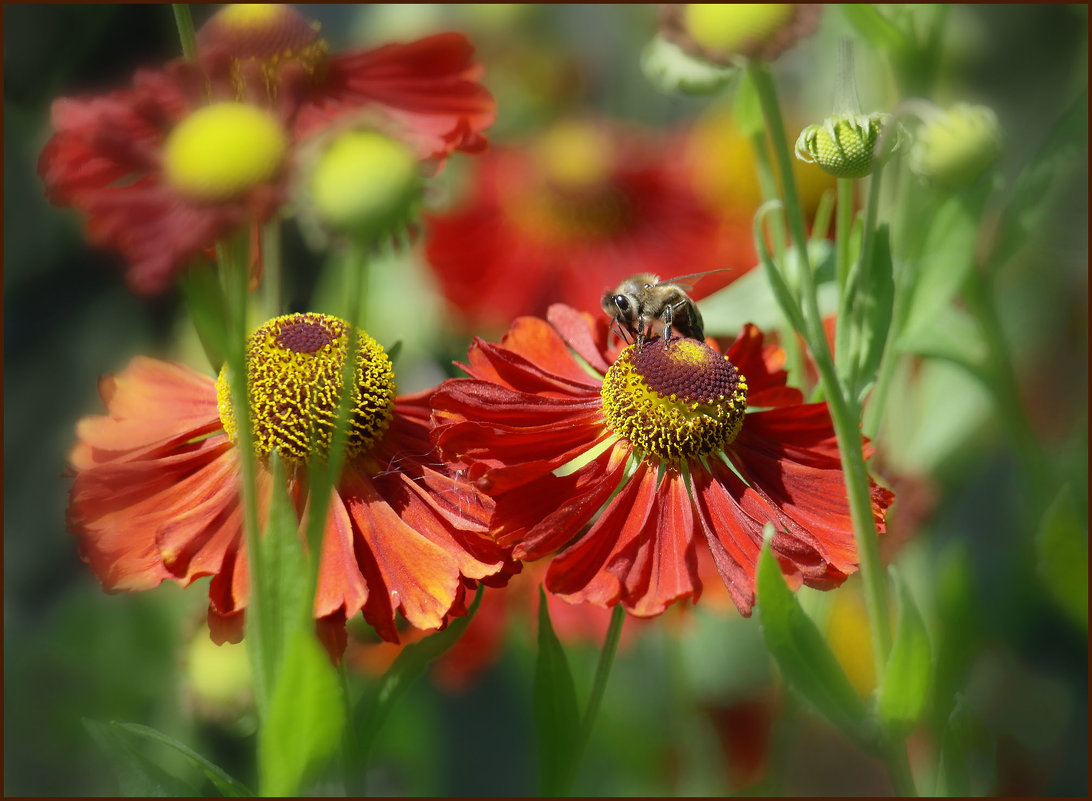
642	300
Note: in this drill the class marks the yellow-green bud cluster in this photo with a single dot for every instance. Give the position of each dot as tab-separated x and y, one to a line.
845	145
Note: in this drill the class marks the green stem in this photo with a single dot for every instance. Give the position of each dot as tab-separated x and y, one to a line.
794	357
599	686
844	411
234	272
184	22
272	289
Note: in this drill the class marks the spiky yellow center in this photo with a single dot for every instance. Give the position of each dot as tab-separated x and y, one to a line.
295	366
733	27
676	400
365	181
223	150
260	40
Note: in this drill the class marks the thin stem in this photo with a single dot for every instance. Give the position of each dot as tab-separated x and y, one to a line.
794	357
272	290
233	270
599	686
845	416
184	22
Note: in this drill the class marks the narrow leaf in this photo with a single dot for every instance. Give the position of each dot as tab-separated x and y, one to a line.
876	301
557	715
228	786
138	774
1061	547
303	726
806	661
909	668
409	666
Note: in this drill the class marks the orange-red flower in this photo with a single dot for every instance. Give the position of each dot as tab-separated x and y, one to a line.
663	450
161	202
571	214
157	486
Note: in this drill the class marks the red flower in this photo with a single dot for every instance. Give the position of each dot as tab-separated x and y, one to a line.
157	483
659	439
116	158
571	215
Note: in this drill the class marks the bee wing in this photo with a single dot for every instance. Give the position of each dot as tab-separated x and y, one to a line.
696	276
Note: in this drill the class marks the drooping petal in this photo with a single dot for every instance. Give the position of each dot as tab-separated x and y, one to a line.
429	86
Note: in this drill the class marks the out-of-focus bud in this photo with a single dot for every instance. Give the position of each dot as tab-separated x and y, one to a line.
845	144
366	184
954	147
673	70
218	682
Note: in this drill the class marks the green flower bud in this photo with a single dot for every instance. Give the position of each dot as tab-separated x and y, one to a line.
674	70
845	145
956	146
365	184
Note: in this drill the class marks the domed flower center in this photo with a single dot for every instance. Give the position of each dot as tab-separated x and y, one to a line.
263	42
223	150
294	370
676	401
732	27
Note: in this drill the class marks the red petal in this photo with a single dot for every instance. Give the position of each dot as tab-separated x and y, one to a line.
581	334
762	367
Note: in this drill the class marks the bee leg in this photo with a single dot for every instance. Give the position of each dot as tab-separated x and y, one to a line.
642	330
669	315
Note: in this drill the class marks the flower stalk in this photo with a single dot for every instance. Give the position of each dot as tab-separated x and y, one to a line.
844	411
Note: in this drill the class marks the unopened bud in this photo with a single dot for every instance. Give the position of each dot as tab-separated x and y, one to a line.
956	146
845	145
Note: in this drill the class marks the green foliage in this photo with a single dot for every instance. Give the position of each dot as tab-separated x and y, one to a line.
305	718
905	685
557	716
1061	547
802	654
141	775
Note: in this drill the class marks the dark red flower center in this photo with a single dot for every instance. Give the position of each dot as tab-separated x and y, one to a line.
295	366
675	400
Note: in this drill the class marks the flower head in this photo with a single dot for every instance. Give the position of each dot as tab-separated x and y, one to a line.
571	214
721	33
157	484
681	447
197	151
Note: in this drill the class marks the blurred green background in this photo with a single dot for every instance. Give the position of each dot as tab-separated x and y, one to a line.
692	693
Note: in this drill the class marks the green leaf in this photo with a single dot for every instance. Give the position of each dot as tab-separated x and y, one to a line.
228	786
804	658
1033	193
947	258
967	756
303	725
408	667
205	302
906	679
280	606
138	774
142	775
1061	548
876	302
875	28
557	715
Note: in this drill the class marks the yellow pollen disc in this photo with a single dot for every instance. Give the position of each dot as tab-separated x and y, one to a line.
729	27
248	14
294	377
676	401
223	150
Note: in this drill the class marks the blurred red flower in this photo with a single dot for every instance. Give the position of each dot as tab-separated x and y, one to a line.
573	213
115	158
